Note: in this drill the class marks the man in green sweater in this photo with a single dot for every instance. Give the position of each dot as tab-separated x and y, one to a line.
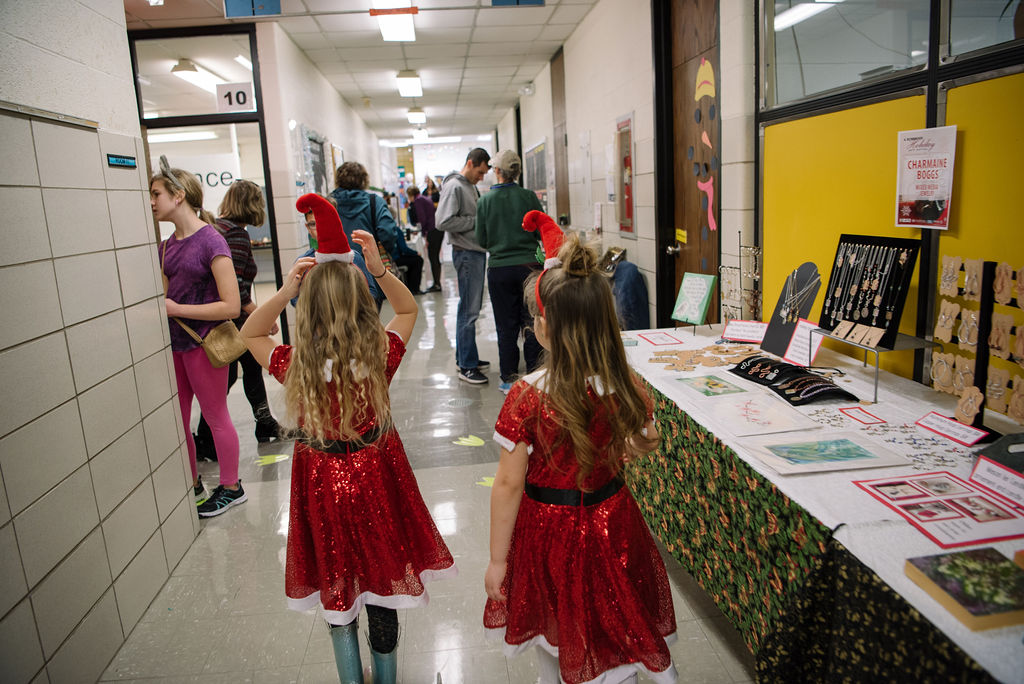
513	254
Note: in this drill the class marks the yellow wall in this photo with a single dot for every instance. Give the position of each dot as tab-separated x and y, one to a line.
986	218
832	174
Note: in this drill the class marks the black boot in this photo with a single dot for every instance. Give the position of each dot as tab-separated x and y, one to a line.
205	449
266	427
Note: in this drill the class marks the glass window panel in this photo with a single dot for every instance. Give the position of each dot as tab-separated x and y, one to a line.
178	76
820	46
976	24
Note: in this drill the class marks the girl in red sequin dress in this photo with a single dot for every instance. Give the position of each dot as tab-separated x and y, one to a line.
573	568
359	533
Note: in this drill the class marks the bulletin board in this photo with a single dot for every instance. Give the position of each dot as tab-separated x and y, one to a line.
832	174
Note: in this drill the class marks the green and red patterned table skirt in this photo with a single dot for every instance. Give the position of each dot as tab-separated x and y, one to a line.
805	606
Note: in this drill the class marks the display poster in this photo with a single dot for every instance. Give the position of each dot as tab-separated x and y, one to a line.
924	177
948	510
694	297
659	338
535	163
745	331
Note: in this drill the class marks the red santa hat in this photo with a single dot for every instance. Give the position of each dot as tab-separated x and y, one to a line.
551	235
332	243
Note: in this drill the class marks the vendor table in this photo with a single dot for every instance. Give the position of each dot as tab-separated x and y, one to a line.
809	568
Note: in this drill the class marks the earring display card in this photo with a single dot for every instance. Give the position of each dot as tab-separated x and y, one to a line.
795	302
867	288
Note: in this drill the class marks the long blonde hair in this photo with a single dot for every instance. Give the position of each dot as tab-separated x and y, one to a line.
337	322
584	341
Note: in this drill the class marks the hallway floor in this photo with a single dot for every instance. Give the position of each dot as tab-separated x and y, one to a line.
222	615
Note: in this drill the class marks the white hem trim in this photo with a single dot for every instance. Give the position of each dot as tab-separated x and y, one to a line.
613	676
394	601
507	444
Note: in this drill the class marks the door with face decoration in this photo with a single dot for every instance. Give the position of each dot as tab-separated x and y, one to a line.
696	140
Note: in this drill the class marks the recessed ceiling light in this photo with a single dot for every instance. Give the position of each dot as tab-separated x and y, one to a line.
394	17
409	84
416	115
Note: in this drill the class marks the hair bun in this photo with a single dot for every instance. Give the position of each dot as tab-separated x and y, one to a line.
577	258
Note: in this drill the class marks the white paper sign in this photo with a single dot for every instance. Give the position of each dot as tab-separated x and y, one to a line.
951	429
924	177
659	338
999	479
235	97
802	349
745	331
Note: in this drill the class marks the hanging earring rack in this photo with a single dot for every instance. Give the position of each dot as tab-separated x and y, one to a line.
750	267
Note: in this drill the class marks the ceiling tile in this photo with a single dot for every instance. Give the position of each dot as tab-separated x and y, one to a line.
304	24
445	19
505	34
432	36
491	49
324	55
353	38
348	22
310	41
434	51
570	14
513	16
366	54
477	71
557	32
435	4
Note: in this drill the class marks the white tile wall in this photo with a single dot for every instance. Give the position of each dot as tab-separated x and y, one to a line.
78	221
162	435
140	582
62	599
102	425
91	646
118	469
98	348
52	526
103	293
20	652
146	322
25	236
130	218
29	471
66	356
12	577
129	526
68	156
28	298
152	382
22	368
138	281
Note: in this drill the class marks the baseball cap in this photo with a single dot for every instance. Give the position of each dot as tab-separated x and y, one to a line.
506	160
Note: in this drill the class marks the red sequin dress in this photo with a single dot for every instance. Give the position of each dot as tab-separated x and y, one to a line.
358	530
585	583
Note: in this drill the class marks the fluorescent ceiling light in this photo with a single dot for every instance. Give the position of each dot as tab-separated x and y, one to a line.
420	134
244	61
188	70
416	115
409	84
483	138
394	17
184	136
802	11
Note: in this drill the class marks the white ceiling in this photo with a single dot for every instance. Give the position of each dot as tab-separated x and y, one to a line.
471	57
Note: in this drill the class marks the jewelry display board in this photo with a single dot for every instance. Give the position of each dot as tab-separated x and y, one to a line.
867	288
795	302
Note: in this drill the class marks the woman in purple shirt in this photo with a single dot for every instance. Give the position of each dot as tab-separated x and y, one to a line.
201	291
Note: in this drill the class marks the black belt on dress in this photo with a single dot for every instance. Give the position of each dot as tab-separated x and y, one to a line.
335	446
572	497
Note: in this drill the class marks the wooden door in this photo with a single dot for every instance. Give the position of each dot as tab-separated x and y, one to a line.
697	139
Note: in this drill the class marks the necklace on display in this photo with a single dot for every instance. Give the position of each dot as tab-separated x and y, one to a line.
865	282
831	301
794	301
881	286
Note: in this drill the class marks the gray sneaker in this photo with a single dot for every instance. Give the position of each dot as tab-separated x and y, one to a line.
472	376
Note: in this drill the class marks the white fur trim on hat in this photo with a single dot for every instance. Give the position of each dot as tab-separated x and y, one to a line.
552	263
347	257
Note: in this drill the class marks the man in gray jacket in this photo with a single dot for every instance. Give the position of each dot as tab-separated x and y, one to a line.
456	215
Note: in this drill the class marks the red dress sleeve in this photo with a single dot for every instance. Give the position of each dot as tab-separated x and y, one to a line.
396	350
517	418
280	359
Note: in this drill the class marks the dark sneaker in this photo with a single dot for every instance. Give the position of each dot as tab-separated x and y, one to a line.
221	500
483	366
472	376
200	491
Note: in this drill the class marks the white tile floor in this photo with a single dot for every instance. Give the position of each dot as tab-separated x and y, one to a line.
222	615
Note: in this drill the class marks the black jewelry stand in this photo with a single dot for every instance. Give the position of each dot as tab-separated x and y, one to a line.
781	328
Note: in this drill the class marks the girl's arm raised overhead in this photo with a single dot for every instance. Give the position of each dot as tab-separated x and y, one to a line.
398	294
227	290
260	325
506	495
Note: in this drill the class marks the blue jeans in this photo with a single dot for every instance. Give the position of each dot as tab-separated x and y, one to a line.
470	267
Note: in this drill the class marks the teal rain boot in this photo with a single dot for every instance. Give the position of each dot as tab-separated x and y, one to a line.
345	639
385	666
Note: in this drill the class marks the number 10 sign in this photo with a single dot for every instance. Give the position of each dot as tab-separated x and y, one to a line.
235	97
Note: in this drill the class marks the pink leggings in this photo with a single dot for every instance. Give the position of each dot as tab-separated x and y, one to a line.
197	378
